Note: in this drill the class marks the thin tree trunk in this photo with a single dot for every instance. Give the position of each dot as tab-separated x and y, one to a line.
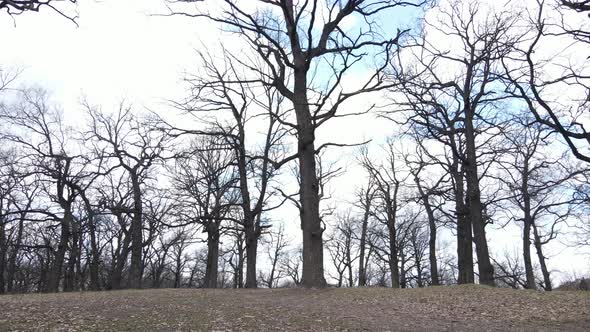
432	234
393	258
542	260
363	241
240	274
3	250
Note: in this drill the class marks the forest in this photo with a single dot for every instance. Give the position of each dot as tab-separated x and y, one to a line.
236	184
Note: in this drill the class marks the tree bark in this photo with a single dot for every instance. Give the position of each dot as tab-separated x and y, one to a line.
251	255
432	234
311	224
56	270
464	235
393	258
94	254
486	270
135	268
211	269
542	260
121	259
363	240
3	246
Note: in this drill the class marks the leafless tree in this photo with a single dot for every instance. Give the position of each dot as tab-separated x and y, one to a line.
205	181
221	89
276	246
469	93
365	198
124	142
294	40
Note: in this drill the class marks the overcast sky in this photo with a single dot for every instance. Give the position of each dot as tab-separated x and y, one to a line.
120	51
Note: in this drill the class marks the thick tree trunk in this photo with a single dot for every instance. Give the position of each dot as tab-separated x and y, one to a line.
311	224
211	269
393	258
121	260
57	268
542	260
486	270
71	278
403	272
251	254
135	268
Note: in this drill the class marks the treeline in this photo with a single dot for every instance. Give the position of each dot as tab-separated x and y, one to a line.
484	133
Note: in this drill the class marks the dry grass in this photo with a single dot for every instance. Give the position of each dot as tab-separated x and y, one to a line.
374	309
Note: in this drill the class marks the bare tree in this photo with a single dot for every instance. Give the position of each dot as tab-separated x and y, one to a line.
223	89
366	196
37	127
276	248
388	181
470	92
127	143
204	181
294	40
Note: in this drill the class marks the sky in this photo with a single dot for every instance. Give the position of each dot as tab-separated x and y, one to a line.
122	50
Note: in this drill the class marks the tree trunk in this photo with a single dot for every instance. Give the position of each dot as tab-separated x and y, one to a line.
212	267
13	254
311	224
3	247
486	270
251	254
94	254
363	244
56	270
135	269
349	262
526	245
121	259
240	274
542	260
393	258
432	234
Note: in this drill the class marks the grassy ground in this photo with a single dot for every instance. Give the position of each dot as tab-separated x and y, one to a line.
370	309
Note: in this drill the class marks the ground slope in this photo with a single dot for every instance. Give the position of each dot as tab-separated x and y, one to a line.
370	309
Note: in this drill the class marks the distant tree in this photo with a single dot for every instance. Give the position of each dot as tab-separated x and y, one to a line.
204	183
125	142
276	247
